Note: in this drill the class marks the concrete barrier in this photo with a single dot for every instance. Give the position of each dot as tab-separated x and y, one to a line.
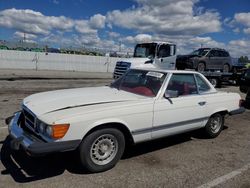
10	59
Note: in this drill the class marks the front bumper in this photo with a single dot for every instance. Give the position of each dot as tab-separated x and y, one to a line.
32	144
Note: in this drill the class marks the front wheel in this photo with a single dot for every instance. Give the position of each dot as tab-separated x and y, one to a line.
201	67
226	68
102	149
214	125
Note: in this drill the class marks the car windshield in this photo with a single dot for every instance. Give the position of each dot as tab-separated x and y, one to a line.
145	50
200	52
141	82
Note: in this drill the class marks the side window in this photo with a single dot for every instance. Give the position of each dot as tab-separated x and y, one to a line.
221	54
202	85
164	51
183	84
226	54
214	53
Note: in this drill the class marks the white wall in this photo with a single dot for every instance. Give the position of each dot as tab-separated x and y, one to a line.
10	59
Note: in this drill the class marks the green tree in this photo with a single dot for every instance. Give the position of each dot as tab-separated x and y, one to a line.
243	59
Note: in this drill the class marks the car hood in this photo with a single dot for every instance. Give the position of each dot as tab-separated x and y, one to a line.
136	62
52	101
183	57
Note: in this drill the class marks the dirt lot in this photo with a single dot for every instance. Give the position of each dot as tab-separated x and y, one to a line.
186	160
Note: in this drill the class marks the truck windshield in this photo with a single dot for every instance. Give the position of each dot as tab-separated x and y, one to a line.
200	52
141	82
145	50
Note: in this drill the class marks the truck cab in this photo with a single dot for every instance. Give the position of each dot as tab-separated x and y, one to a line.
152	55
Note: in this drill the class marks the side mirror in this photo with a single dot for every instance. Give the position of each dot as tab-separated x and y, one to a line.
151	57
171	94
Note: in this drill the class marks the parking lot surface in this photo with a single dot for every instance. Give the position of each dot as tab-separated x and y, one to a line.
187	160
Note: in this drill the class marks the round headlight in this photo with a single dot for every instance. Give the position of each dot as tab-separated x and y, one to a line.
49	130
41	127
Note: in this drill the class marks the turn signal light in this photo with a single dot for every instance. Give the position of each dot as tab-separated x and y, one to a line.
59	130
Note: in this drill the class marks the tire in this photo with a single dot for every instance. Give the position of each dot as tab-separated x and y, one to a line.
201	67
226	68
102	149
214	82
214	125
234	70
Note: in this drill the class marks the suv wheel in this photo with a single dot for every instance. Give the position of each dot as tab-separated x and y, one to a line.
226	68
201	67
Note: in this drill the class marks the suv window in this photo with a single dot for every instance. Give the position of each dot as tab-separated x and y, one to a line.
226	54
214	53
184	84
202	84
223	53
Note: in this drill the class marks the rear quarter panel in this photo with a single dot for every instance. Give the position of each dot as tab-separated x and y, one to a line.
221	101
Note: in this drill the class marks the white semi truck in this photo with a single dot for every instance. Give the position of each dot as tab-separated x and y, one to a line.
154	54
162	55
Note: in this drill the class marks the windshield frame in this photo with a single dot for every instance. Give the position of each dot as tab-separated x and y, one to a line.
118	84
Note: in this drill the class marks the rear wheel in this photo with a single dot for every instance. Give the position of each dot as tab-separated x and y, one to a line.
214	81
102	149
201	67
214	125
226	68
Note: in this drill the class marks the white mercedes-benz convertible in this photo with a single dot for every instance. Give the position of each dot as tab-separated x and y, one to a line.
143	105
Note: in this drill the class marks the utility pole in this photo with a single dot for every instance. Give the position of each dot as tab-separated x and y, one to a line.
120	46
24	37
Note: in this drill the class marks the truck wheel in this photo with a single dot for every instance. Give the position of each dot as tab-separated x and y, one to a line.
201	67
214	125
226	68
102	149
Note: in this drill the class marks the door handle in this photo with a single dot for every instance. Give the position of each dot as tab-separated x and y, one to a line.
202	103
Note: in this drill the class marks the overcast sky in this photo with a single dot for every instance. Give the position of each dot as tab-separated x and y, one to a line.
110	23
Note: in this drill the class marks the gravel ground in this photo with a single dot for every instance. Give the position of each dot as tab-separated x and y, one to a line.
186	160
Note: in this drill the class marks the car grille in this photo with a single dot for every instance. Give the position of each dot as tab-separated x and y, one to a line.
120	68
29	118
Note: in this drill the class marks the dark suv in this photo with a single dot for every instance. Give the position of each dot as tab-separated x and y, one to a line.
245	86
205	59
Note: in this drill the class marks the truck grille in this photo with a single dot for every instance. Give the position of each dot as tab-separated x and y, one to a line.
120	68
29	118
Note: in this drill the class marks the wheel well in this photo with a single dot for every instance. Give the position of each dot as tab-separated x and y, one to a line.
121	127
224	112
202	62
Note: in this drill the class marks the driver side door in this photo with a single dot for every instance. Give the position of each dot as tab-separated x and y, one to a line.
180	114
166	56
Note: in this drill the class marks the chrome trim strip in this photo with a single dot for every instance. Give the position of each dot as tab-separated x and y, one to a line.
77	106
167	126
28	122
